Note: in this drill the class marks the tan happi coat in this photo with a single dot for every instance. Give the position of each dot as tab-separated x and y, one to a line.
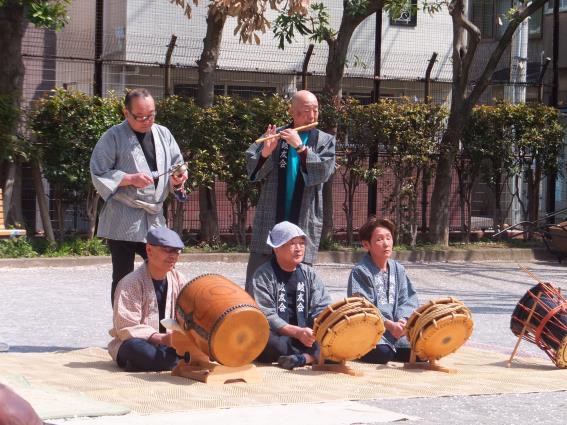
136	312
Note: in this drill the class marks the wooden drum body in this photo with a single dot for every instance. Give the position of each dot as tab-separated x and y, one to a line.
348	329
439	328
224	321
541	318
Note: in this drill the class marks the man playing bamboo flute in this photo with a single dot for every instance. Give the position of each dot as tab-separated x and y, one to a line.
292	169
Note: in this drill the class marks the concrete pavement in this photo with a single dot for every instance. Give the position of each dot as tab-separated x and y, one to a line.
46	307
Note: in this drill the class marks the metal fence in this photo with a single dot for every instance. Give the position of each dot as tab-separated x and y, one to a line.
68	60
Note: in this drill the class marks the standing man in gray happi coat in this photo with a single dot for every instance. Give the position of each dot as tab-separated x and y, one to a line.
292	169
129	169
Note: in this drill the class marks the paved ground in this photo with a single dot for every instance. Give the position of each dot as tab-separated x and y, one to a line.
49	308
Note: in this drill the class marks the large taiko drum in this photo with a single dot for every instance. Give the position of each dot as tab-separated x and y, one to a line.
438	328
223	319
541	318
348	329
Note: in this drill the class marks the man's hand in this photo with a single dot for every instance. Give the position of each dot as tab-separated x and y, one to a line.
139	180
397	329
178	180
291	137
305	336
161	339
270	144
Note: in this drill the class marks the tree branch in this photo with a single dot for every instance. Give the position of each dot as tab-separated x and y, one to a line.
484	79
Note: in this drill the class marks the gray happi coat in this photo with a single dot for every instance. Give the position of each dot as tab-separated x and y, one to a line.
117	153
364	279
265	291
319	168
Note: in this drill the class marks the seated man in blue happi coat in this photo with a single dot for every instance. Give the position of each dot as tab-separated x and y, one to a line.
384	282
291	295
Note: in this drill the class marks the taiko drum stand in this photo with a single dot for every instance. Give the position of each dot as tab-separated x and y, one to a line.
430	364
339	367
197	365
524	330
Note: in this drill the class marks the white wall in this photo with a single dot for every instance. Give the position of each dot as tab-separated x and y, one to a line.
405	50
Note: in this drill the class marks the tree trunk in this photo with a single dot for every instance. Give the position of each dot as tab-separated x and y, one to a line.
12	29
328	210
207	65
13	195
178	211
42	202
338	48
59	213
92	208
466	38
240	222
208	216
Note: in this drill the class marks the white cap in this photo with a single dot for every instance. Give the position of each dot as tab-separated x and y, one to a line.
284	232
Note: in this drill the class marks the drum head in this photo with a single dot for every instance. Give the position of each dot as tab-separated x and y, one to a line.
561	355
443	336
430	305
239	337
331	308
352	337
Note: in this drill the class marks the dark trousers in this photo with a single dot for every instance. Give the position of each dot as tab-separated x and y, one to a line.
383	354
122	254
138	355
280	345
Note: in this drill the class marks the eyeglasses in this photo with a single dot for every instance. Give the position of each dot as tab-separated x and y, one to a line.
142	118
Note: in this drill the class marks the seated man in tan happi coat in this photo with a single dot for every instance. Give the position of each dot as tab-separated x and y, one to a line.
143	298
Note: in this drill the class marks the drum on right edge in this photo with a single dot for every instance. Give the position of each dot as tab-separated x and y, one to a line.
542	314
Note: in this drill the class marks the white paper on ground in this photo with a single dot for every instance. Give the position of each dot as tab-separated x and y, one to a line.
329	413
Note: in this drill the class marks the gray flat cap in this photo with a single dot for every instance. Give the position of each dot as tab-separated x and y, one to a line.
284	232
162	236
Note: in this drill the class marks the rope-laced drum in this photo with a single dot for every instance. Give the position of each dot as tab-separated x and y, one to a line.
348	329
224	321
439	328
541	318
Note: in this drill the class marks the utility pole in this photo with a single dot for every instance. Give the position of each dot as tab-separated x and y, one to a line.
99	32
552	177
373	157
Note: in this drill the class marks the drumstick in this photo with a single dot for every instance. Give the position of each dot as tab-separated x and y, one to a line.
530	274
300	128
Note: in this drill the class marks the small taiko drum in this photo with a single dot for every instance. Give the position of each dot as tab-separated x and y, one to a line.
224	321
348	329
438	328
541	318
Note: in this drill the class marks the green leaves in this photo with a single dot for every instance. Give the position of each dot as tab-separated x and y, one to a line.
316	25
285	27
48	14
66	126
507	138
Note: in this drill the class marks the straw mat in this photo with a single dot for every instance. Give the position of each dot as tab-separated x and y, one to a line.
91	372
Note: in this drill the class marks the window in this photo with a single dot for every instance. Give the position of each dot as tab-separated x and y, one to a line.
534	23
190	90
483	17
489	17
549	6
408	15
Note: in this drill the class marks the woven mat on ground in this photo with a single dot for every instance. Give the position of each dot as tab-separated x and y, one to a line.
50	403
91	372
